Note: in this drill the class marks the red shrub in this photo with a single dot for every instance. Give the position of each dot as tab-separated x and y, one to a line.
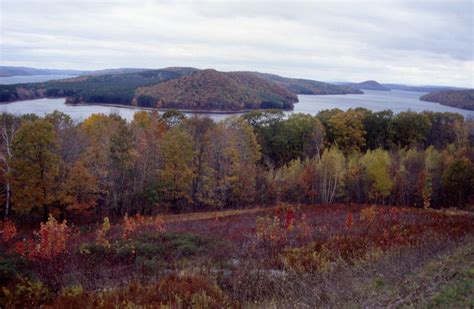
7	230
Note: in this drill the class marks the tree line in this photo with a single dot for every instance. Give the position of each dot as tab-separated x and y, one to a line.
105	166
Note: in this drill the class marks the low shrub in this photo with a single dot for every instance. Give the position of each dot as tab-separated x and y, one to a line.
311	258
25	294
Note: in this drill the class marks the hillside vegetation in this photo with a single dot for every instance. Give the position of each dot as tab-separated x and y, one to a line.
102	88
456	98
307	86
176	87
213	90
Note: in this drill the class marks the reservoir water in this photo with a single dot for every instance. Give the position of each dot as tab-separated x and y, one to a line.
395	100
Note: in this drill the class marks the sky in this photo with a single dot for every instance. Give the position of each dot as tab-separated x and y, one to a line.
412	42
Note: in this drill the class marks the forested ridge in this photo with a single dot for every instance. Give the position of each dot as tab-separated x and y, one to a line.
307	86
106	166
213	90
105	88
176	87
456	98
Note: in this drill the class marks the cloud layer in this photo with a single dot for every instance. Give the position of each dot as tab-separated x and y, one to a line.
416	42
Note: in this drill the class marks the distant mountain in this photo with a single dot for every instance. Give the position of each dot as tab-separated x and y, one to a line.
456	98
419	88
213	90
306	86
6	71
367	85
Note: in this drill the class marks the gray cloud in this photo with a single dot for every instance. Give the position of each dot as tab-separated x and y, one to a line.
418	42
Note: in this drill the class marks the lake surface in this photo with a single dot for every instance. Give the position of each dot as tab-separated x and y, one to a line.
31	79
396	100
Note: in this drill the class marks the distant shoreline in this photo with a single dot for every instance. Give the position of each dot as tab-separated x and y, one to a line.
189	111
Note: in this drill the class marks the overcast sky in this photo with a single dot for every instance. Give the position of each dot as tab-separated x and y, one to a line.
415	42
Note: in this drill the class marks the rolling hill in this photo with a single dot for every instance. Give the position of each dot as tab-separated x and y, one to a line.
307	86
176	87
367	85
6	71
106	88
213	90
456	98
426	88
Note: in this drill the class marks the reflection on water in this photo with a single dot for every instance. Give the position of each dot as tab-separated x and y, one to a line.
395	100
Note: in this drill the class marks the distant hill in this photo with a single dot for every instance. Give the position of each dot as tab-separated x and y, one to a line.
179	87
213	90
116	71
306	86
107	88
367	85
456	98
6	71
207	89
419	88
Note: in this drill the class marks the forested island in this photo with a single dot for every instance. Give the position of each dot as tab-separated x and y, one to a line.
179	87
456	98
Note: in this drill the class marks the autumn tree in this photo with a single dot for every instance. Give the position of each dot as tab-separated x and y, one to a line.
34	167
377	169
282	140
176	172
200	130
410	129
409	180
458	181
432	177
245	152
120	167
355	183
81	189
9	125
348	130
98	130
444	128
331	168
148	129
378	126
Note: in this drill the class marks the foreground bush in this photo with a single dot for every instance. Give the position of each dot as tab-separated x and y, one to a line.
174	291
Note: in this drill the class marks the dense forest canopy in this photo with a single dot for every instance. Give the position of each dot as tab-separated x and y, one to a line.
168	162
213	90
455	98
